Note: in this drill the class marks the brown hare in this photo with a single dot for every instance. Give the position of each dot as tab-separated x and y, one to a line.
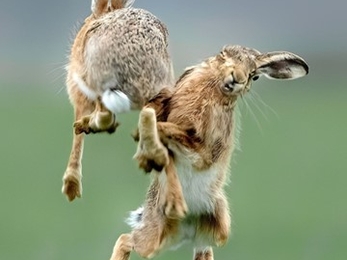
186	135
119	60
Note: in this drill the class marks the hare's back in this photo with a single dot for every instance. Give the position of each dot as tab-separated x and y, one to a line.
129	47
131	26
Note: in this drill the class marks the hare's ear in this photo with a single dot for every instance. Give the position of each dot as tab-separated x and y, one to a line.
118	4
281	65
99	6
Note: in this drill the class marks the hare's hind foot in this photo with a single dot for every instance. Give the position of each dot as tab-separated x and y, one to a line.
72	185
96	122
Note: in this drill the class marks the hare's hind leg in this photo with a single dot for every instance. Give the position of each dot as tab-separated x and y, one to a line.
148	240
122	248
203	254
72	186
223	221
146	245
100	120
216	225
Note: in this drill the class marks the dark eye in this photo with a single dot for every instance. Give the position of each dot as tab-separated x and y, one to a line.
255	78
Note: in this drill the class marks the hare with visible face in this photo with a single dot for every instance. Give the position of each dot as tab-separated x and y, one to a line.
186	134
118	61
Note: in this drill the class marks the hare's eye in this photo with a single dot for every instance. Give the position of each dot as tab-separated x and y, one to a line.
253	76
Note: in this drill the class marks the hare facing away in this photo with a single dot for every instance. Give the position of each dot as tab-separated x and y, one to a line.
118	61
186	134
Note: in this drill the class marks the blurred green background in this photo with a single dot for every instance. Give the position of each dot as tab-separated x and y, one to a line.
288	182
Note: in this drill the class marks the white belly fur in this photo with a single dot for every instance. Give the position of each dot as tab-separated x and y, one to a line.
196	186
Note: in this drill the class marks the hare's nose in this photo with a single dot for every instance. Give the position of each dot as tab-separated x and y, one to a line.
238	77
232	86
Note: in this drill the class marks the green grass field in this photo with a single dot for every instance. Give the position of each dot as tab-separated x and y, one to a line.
287	189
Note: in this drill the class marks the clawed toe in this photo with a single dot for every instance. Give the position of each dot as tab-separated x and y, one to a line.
155	159
113	127
148	165
82	126
87	125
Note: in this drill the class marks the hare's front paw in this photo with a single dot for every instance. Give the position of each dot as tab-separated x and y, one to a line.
154	158
175	206
72	185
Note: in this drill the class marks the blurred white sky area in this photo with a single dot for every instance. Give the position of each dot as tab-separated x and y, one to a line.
38	33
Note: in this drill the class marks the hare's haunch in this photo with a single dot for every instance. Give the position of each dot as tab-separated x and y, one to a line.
118	61
188	132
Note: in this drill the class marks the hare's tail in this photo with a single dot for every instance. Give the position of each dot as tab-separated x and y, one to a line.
100	7
135	218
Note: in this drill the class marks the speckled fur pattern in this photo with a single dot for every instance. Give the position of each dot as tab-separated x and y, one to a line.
118	61
186	138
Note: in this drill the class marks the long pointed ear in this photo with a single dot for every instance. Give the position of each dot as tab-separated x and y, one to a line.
118	4
99	7
281	65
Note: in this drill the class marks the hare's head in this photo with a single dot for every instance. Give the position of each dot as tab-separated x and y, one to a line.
240	66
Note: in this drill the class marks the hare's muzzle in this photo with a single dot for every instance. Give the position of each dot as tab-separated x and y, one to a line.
231	86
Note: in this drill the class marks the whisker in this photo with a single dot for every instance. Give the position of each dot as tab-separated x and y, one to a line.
56	78
52	71
259	98
60	90
253	115
253	99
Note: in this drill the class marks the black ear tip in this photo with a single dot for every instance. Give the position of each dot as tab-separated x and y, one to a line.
303	63
306	68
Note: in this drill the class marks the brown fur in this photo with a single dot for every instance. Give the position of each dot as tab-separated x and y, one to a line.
118	49
189	132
